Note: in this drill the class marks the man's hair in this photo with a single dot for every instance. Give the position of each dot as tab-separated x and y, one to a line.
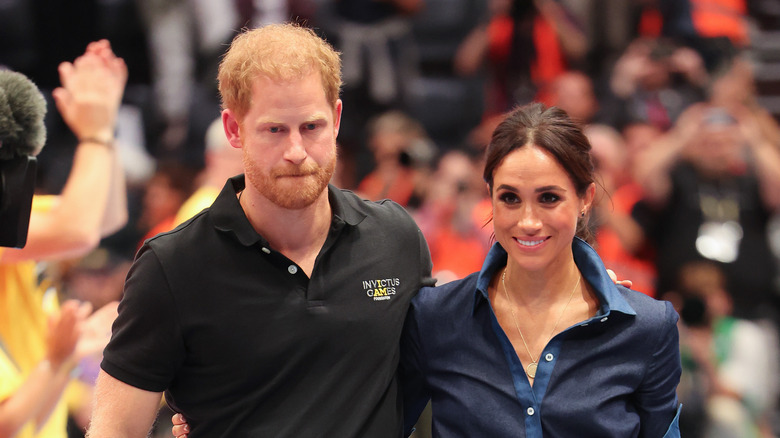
281	52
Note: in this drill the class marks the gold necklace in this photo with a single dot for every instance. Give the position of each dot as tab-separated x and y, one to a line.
530	370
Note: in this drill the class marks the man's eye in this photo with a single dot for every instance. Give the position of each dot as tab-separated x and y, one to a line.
310	126
274	129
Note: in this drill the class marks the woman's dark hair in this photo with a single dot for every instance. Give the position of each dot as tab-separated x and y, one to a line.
552	130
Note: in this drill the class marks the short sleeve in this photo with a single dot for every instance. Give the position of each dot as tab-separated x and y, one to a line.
146	347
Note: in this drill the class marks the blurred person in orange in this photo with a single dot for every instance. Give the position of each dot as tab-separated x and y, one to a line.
618	237
524	45
402	153
453	217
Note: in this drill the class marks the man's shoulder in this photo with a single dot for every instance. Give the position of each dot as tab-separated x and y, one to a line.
190	236
384	209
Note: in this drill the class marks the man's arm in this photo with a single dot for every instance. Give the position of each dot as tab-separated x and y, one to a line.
120	410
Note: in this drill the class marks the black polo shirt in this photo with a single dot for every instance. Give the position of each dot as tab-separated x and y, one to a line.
245	344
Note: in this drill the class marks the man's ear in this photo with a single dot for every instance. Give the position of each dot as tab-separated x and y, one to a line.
232	128
337	117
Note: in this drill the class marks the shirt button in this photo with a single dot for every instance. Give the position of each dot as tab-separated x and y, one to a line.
292	269
603	319
530	411
549	357
265	250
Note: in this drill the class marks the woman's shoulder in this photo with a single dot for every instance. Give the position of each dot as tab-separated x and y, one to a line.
647	308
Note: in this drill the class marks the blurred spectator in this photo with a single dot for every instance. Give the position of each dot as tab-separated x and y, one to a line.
454	215
654	80
378	61
41	346
729	380
709	26
96	278
619	239
166	191
609	26
710	185
733	87
222	161
402	155
572	91
525	45
185	40
638	136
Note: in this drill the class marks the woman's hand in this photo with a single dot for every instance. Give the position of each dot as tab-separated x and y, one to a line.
624	283
180	427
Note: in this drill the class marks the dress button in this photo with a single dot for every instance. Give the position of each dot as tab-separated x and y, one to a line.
265	250
603	319
549	357
292	269
530	411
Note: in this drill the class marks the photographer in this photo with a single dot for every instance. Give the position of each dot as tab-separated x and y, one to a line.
402	153
40	345
710	186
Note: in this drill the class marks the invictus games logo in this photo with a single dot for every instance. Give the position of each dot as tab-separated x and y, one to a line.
382	289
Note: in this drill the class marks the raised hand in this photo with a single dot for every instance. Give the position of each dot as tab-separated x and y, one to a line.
91	91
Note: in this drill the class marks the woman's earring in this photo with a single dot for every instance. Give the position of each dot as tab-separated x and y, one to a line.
582	214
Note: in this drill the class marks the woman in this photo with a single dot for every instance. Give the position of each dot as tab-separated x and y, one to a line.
540	342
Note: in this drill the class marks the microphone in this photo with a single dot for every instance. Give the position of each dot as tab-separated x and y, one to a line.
22	136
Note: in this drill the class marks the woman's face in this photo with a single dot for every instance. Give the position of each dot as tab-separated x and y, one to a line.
535	208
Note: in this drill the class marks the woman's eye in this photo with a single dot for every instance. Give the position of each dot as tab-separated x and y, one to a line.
549	198
508	198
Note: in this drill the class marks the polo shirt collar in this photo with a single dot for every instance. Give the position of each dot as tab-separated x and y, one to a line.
589	264
343	208
230	217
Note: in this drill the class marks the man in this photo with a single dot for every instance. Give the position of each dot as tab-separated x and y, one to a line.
278	310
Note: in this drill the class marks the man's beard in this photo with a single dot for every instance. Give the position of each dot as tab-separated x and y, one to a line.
291	193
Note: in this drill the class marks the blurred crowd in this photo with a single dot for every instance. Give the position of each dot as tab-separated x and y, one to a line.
687	157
